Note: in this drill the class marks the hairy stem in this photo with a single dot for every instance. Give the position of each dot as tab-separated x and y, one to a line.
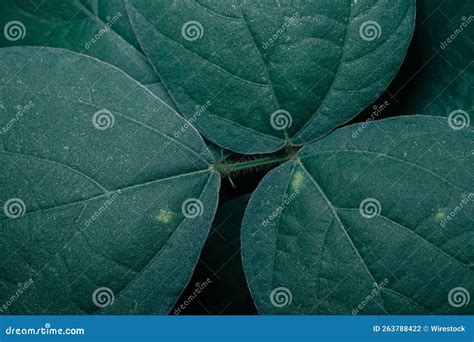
227	168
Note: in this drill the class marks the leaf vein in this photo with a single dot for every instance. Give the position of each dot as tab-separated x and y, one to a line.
336	216
393	158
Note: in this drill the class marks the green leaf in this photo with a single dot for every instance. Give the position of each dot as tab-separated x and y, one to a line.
273	73
100	200
443	79
99	29
107	9
378	222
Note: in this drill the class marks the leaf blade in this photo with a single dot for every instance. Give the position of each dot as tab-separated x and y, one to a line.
100	30
444	78
328	255
103	201
302	74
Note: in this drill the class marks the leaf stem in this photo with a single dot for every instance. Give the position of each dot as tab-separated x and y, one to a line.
226	168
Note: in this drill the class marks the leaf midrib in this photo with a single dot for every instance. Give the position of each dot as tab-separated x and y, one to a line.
336	74
277	233
129	188
341	62
336	216
389	157
154	257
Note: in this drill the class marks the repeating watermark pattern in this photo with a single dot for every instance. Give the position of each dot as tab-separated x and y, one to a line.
465	22
192	208
21	110
199	288
287	22
279	209
108	202
281	119
103	296
14	30
369	208
370	30
465	200
375	292
109	22
192	30
199	110
376	111
458	119
14	208
459	297
22	287
280	297
103	119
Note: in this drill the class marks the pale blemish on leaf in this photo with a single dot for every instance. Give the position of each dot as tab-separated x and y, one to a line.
440	215
164	216
297	181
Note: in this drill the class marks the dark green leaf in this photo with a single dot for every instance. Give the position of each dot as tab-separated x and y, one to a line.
378	222
100	200
273	73
105	9
443	47
96	28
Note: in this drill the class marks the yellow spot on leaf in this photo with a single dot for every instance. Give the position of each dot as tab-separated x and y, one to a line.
297	181
440	215
164	216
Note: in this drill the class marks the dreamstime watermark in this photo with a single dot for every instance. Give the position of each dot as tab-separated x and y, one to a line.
192	30
369	208
199	288
465	200
199	110
370	30
279	209
21	110
103	119
14	208
280	297
14	30
109	22
287	22
458	119
281	119
459	297
376	111
46	330
103	296
465	22
375	292
192	208
108	202
22	287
